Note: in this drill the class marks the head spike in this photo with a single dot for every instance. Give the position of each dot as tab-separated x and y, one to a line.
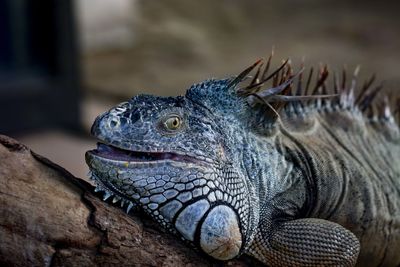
264	74
255	78
343	86
271	75
300	79
278	89
396	111
243	74
309	80
367	100
354	80
321	79
335	83
387	114
365	89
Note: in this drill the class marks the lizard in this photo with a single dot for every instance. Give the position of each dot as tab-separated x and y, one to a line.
270	165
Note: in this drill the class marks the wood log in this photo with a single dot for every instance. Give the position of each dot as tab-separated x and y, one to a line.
48	217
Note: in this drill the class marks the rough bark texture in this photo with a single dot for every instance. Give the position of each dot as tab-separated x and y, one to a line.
50	218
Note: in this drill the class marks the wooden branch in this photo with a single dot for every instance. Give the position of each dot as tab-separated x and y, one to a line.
50	218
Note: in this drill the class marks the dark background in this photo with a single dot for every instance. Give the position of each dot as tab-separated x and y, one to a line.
64	62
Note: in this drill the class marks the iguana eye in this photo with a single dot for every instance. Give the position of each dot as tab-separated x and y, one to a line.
173	123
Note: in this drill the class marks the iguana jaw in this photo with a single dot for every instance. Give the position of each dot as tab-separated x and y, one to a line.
117	154
184	197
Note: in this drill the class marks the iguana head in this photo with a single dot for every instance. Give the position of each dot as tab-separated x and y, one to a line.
177	158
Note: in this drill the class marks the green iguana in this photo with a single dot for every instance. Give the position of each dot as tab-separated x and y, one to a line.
292	173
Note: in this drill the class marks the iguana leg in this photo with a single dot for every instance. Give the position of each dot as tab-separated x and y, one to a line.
306	242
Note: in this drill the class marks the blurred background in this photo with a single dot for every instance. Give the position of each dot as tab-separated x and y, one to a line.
64	62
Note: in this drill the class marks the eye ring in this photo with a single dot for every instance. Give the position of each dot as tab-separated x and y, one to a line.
172	123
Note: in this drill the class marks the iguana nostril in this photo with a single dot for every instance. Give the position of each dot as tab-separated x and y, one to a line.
114	122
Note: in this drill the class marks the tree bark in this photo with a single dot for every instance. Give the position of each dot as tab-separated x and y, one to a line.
48	217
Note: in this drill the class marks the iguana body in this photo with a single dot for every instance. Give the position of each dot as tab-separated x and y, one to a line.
220	168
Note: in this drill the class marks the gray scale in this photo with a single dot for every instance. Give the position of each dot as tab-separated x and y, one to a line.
130	192
180	187
206	190
192	177
152	206
169	209
211	197
144	200
140	183
135	196
160	183
200	175
189	186
151	180
176	180
150	186
219	195
197	192
210	185
169	185
170	193
158	198
167	178
187	220
157	190
208	176
185	196
127	181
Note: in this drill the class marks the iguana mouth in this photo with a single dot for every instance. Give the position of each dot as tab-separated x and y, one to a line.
118	154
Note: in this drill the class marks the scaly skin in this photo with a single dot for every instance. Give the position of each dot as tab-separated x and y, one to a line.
308	188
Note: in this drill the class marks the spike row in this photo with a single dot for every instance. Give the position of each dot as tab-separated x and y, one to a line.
340	94
107	194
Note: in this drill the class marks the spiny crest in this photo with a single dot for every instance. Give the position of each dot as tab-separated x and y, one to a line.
293	93
217	96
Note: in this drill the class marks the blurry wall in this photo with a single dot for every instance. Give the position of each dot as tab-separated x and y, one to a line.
39	72
163	46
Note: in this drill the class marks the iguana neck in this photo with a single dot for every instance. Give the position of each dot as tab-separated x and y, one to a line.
280	184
